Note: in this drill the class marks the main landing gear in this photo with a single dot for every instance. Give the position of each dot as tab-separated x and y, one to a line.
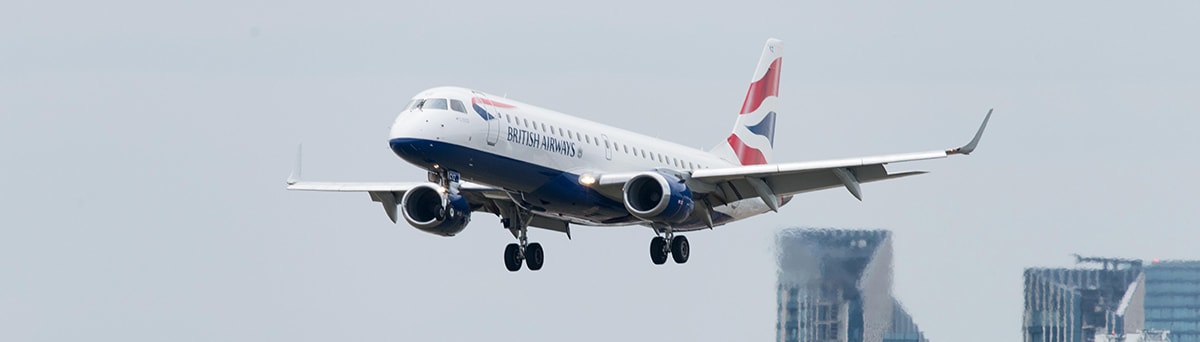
532	254
513	218
668	243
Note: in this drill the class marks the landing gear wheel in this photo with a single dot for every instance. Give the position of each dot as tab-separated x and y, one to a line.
658	250
512	257
680	249
534	256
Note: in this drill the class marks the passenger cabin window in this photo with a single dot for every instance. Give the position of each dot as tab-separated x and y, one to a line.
434	104
457	106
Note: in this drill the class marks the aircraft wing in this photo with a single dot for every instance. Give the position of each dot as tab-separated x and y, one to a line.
351	186
389	194
775	180
770	182
481	197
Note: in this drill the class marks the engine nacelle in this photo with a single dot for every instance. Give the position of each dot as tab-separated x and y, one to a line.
434	210
658	197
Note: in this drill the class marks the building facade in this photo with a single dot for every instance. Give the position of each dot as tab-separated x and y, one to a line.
836	285
1173	299
1076	305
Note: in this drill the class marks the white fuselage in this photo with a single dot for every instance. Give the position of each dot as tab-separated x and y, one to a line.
539	155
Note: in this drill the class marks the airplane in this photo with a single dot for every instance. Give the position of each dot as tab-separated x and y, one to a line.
535	167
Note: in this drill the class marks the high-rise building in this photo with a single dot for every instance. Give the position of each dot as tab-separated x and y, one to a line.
836	285
1121	301
1173	299
1085	304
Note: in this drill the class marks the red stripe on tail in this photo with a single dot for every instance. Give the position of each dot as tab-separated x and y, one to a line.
746	154
768	85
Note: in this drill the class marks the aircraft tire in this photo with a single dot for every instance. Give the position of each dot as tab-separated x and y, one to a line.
680	249
658	250
512	259
534	256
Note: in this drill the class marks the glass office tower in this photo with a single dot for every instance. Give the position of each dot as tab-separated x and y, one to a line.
1173	299
836	285
1084	305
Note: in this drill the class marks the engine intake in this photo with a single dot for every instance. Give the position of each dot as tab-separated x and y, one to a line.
431	209
658	197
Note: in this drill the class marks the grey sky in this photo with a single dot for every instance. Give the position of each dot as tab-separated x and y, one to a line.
143	148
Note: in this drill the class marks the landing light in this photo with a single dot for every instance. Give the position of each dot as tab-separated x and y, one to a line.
587	179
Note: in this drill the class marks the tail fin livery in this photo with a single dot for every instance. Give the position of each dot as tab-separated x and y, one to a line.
753	137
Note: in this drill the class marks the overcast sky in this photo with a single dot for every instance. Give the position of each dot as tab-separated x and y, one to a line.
144	147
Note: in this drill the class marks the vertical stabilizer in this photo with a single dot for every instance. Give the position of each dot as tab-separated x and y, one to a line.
753	137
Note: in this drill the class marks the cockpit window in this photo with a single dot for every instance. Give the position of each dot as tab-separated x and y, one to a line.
434	104
457	106
416	103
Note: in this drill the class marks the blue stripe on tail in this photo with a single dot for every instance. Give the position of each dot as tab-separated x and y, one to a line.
765	128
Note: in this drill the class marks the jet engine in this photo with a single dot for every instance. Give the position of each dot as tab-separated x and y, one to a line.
433	209
658	197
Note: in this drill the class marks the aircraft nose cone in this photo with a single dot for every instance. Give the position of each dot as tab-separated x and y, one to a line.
404	147
405	126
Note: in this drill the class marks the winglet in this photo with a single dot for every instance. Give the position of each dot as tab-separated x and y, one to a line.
970	147
295	176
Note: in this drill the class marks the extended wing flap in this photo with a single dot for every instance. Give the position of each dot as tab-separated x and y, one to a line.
551	224
390	201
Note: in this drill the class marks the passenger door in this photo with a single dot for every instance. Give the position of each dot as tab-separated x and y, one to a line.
491	115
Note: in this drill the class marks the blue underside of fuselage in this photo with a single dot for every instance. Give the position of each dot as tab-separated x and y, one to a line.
536	187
